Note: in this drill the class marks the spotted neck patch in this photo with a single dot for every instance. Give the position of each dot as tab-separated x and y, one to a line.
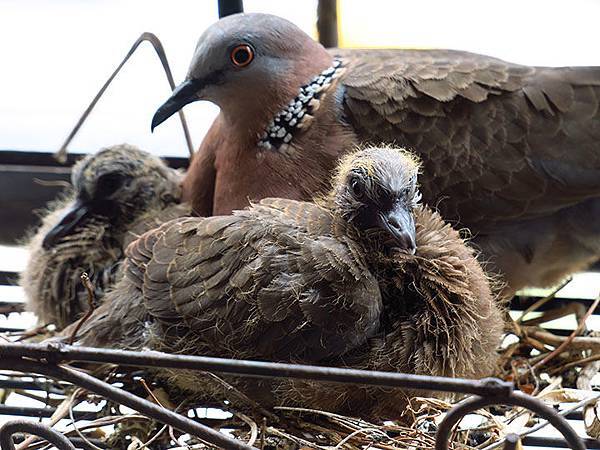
299	113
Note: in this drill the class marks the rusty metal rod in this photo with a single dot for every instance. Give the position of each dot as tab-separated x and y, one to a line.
122	397
511	442
61	154
229	7
472	404
327	24
62	353
49	354
7	429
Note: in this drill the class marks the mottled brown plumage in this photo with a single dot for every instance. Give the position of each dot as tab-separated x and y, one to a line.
509	151
333	282
440	319
116	195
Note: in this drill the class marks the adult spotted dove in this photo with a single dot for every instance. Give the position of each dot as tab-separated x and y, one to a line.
512	152
364	274
116	195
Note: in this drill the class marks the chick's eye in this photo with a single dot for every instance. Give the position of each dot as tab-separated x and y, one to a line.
358	189
109	183
242	55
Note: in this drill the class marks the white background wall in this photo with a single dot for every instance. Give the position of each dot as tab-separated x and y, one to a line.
55	54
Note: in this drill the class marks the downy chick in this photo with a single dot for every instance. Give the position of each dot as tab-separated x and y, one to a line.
117	194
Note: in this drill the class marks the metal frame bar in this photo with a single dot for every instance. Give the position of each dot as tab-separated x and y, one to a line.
229	7
327	23
45	359
59	353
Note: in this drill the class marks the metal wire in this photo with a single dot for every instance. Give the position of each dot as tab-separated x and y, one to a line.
44	359
11	427
472	404
122	397
62	353
61	154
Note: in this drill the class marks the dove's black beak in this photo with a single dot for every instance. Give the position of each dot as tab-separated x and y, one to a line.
186	92
400	224
74	216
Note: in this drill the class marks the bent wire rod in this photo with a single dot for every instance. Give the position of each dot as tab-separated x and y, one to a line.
472	404
122	397
64	353
56	438
61	154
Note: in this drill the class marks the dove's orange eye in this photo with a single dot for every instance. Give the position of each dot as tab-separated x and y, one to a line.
242	55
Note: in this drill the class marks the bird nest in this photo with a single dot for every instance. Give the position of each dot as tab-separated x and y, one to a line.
556	369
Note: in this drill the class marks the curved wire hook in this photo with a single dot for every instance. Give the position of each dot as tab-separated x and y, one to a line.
11	427
61	154
123	397
515	398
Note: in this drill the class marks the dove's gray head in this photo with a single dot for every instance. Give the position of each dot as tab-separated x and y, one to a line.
250	65
116	184
376	189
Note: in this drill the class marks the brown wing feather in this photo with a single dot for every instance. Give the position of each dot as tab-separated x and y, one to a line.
499	141
261	281
442	319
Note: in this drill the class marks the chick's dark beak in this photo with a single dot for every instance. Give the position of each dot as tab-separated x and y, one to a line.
183	94
74	216
400	224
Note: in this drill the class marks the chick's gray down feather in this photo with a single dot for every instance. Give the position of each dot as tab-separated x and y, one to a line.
117	194
441	319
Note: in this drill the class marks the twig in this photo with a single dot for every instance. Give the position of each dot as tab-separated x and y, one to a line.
577	343
544	300
59	414
263	431
243	397
156	400
79	433
575	332
52	183
572	308
361	431
85	279
109	420
42	329
348	420
579	362
293	438
253	427
154	438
